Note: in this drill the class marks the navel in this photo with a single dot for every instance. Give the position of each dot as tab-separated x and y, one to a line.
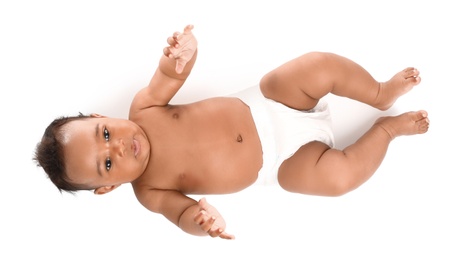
239	138
175	116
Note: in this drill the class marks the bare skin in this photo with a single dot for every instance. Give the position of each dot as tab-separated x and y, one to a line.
315	168
212	146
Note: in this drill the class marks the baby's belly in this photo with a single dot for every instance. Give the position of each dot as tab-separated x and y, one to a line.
226	170
224	160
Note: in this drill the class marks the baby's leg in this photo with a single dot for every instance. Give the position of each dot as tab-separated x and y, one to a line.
317	169
301	82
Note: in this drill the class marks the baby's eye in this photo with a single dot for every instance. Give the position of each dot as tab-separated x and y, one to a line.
106	134
108	163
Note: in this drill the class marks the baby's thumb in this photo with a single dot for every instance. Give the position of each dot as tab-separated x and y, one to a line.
179	67
203	203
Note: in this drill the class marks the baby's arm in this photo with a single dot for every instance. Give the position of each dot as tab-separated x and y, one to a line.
174	68
199	219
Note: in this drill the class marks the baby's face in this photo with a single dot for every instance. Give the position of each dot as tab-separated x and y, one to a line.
103	151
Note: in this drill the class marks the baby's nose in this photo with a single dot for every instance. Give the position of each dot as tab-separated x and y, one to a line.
119	147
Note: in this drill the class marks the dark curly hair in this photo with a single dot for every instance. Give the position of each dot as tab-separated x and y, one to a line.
49	154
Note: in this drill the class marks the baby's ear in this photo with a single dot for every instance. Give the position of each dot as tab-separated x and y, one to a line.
105	189
96	115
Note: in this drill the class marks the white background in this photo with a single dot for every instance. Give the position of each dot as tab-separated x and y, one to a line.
64	57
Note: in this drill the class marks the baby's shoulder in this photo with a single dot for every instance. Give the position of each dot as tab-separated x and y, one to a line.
140	114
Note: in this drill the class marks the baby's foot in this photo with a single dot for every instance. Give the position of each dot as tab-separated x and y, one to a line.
399	84
409	123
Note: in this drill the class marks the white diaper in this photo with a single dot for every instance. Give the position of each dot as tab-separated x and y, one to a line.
283	130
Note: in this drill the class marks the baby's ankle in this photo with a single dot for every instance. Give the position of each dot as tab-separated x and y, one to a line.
385	124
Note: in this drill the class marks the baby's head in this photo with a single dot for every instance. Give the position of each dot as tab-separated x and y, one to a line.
92	153
49	154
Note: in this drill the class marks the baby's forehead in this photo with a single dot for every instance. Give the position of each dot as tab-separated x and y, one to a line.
78	138
77	129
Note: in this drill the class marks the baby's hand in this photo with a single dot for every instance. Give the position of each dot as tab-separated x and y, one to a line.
211	221
182	47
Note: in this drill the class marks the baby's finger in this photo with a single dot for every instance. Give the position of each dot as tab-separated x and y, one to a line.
188	28
203	204
201	217
170	53
216	232
166	51
207	225
179	66
176	36
220	232
225	235
172	41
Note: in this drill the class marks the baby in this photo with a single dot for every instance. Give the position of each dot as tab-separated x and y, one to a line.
276	132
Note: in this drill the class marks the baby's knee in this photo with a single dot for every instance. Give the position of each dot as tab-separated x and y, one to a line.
340	188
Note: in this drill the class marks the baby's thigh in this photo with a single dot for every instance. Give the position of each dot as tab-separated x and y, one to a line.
285	86
301	172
